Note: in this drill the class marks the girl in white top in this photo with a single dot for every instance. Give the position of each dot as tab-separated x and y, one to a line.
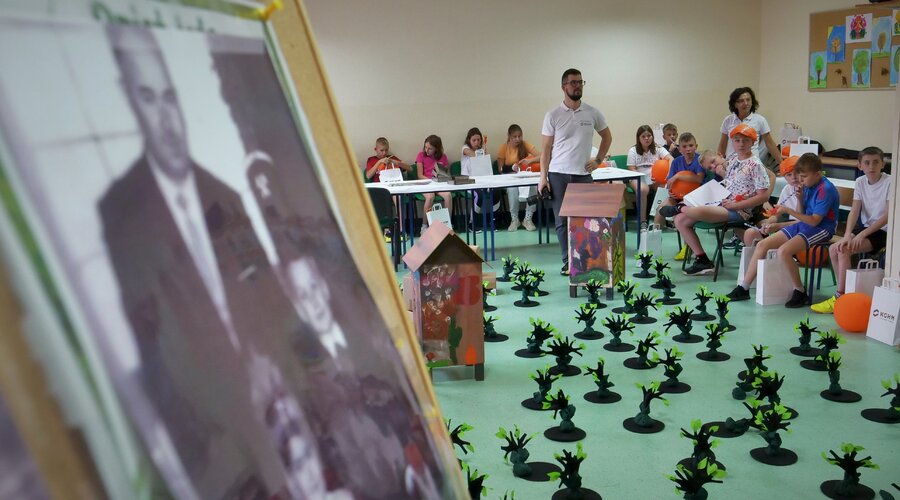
475	146
641	158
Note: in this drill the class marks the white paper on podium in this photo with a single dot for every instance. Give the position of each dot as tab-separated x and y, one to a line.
708	194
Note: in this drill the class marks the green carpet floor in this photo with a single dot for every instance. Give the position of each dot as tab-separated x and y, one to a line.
621	464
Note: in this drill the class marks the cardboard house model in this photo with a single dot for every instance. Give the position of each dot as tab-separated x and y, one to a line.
446	293
596	233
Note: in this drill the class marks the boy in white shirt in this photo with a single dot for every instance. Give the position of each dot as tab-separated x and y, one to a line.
866	223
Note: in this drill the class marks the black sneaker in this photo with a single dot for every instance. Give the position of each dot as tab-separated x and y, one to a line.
739	293
798	300
698	268
565	269
732	243
669	210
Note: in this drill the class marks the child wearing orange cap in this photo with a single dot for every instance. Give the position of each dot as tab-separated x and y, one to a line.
790	197
746	179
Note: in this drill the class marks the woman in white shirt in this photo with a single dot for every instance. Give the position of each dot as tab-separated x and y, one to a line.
743	105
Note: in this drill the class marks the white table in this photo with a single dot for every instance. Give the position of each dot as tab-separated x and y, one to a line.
485	184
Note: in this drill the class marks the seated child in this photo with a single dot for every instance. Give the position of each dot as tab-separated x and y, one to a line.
713	162
382	160
476	145
670	133
641	158
816	224
428	161
866	223
789	197
686	162
745	178
517	154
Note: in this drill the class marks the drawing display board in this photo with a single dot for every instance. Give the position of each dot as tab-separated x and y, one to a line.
854	49
162	171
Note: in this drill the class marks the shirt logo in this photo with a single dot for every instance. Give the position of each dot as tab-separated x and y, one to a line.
585	123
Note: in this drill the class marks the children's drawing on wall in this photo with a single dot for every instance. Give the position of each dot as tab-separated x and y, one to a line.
895	64
818	70
836	44
862	63
859	28
881	37
896	23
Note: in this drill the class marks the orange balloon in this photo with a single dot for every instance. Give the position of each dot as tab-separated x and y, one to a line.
681	187
660	171
821	259
851	312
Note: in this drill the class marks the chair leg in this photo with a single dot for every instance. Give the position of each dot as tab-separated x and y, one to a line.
717	257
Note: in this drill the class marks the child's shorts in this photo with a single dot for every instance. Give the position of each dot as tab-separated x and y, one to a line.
736	216
878	239
811	234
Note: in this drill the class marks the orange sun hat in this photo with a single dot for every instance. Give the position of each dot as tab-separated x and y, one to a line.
787	165
745	130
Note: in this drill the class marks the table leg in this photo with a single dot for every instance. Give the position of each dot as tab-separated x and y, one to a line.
484	224
491	206
637	203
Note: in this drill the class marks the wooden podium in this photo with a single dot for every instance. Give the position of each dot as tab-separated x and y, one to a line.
596	234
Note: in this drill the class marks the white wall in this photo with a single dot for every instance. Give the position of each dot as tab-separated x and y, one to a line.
849	119
408	68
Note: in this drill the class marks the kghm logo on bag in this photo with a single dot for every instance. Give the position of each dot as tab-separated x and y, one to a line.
884	315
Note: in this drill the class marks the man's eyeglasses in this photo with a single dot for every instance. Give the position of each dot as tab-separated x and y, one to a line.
576	83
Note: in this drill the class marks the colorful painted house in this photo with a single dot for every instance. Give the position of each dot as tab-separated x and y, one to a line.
447	305
596	233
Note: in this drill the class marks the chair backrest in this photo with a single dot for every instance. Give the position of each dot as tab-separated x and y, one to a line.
620	160
846	195
456	168
413	171
383	205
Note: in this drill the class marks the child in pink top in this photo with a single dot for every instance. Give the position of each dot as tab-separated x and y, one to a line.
433	154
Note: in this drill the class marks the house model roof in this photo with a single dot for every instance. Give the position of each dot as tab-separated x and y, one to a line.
439	244
592	200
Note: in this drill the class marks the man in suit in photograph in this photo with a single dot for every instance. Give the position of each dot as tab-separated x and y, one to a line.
196	287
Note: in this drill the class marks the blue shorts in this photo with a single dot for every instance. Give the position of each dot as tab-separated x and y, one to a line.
811	234
735	217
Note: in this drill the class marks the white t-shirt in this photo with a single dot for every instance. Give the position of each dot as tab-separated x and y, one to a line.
873	197
645	161
572	132
758	122
790	198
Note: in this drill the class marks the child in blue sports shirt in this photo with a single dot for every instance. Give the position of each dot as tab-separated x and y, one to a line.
817	223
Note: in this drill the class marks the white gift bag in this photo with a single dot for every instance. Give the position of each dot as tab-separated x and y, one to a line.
711	193
746	256
804	146
662	194
883	324
651	240
480	166
790	132
438	214
390	175
865	277
773	284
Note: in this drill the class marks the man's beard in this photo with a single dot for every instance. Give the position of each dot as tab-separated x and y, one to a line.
573	97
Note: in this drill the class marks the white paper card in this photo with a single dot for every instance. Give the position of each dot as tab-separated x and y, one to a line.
710	193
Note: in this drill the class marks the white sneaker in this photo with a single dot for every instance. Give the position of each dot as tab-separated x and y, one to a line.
513	225
529	224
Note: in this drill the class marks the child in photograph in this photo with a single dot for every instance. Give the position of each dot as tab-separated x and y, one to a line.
514	155
790	197
866	223
748	183
382	160
670	134
428	160
641	158
816	224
